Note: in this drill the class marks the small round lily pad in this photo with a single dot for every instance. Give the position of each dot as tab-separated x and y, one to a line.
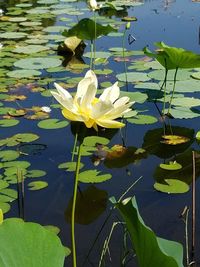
37	63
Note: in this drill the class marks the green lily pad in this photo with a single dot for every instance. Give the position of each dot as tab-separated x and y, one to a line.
30	49
172	186
93	140
38	63
35	173
70	166
138	97
184	113
8	123
160	75
186	102
5	207
143	119
92	176
52	124
173	165
13	35
37	185
133	77
23	73
8	155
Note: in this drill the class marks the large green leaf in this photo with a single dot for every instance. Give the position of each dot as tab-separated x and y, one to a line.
173	57
87	29
29	244
150	249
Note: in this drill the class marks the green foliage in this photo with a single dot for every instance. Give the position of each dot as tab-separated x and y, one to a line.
150	249
29	244
172	57
85	30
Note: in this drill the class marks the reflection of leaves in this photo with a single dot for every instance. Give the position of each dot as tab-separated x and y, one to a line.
85	30
90	204
184	174
120	156
153	145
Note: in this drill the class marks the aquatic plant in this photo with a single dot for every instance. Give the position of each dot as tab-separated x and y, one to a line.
173	58
92	111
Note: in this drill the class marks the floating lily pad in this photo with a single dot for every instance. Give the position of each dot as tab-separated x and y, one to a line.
23	73
184	113
173	165
133	77
38	63
186	101
160	75
13	35
37	185
70	166
135	96
8	155
93	140
172	186
143	119
17	19
93	176
8	123
30	49
52	124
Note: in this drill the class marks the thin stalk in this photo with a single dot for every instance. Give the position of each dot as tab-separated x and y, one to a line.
193	206
74	147
91	54
165	88
23	195
95	34
106	243
173	91
186	237
123	53
74	207
131	186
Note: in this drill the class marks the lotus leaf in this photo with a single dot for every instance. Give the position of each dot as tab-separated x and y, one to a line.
40	246
85	30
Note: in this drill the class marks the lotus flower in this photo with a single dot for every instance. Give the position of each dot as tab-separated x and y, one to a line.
92	111
93	5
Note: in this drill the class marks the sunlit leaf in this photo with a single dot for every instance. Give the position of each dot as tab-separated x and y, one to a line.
70	166
85	30
37	185
173	165
148	247
52	124
38	244
172	186
93	176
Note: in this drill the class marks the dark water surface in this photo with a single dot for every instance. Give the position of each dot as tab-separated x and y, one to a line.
177	24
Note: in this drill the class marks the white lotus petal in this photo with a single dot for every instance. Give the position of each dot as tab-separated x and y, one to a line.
66	103
121	101
117	112
92	75
100	109
110	93
82	87
88	97
64	94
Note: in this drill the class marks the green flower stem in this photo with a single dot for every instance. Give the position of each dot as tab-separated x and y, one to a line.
91	55
74	207
74	147
95	34
173	91
123	53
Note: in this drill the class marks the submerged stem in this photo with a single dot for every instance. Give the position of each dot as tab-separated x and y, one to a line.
74	207
123	53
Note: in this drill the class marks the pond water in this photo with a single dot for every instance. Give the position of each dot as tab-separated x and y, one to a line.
40	23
